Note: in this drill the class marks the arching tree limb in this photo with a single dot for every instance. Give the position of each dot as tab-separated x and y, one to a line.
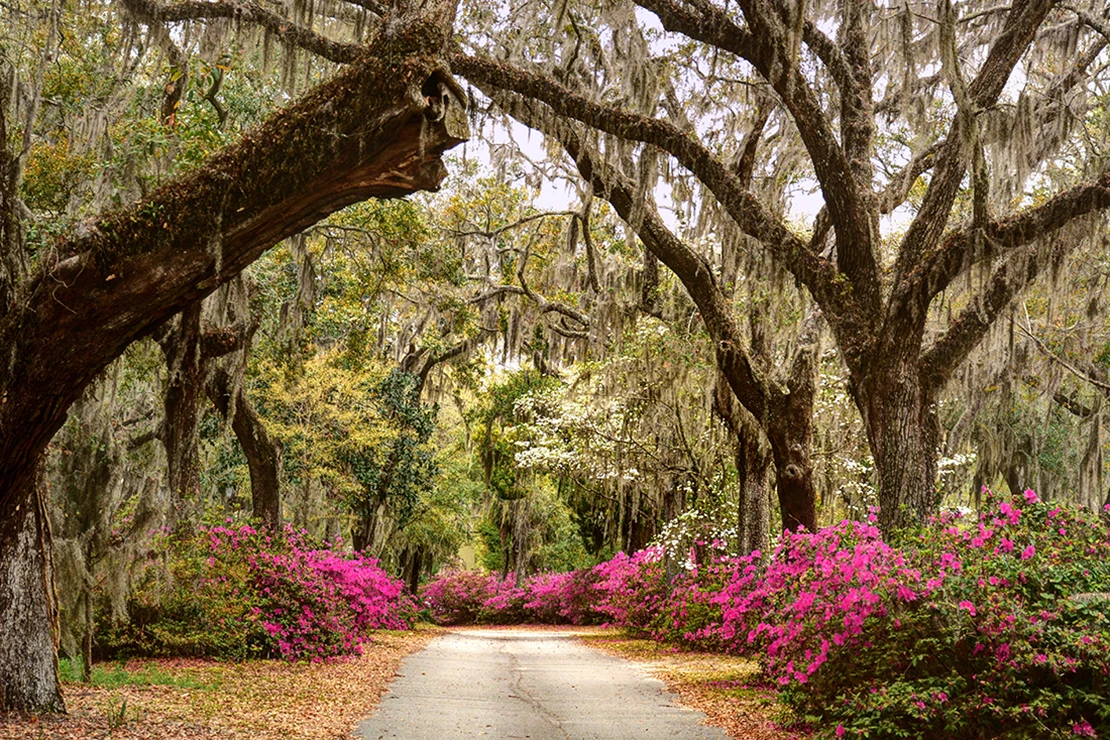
378	129
764	43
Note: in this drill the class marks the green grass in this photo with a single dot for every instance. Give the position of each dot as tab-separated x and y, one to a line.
117	675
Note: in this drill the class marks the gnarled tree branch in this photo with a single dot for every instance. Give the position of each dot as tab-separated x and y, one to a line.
764	45
742	206
152	11
925	231
371	131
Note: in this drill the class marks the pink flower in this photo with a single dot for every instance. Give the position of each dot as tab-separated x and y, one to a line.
1083	729
840	730
1031	496
1011	514
965	604
1028	552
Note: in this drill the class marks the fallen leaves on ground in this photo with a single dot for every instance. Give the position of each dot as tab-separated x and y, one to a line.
729	689
260	700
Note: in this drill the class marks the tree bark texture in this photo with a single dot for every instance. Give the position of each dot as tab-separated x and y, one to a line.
28	610
378	129
181	409
904	432
790	431
753	463
130	271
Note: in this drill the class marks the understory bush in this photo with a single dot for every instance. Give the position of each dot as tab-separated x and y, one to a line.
975	627
473	597
972	627
238	592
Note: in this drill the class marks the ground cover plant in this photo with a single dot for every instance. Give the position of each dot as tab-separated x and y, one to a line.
239	592
971	626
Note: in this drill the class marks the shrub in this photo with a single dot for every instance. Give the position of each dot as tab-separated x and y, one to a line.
563	598
458	597
632	589
691	612
473	597
971	629
238	592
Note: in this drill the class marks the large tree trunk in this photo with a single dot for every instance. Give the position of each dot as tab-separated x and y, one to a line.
790	431
903	430
28	611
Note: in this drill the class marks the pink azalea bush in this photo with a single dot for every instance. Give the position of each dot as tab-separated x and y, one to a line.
563	598
632	589
240	592
472	597
971	628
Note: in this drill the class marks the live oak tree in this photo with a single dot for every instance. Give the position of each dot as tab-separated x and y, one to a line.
377	129
977	101
790	409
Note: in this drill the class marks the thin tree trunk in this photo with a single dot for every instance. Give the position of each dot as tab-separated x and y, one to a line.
753	462
414	566
365	534
181	405
790	431
263	453
87	637
28	610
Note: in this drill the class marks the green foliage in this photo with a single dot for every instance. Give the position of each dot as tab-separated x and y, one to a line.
359	429
562	548
497	418
441	521
190	605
